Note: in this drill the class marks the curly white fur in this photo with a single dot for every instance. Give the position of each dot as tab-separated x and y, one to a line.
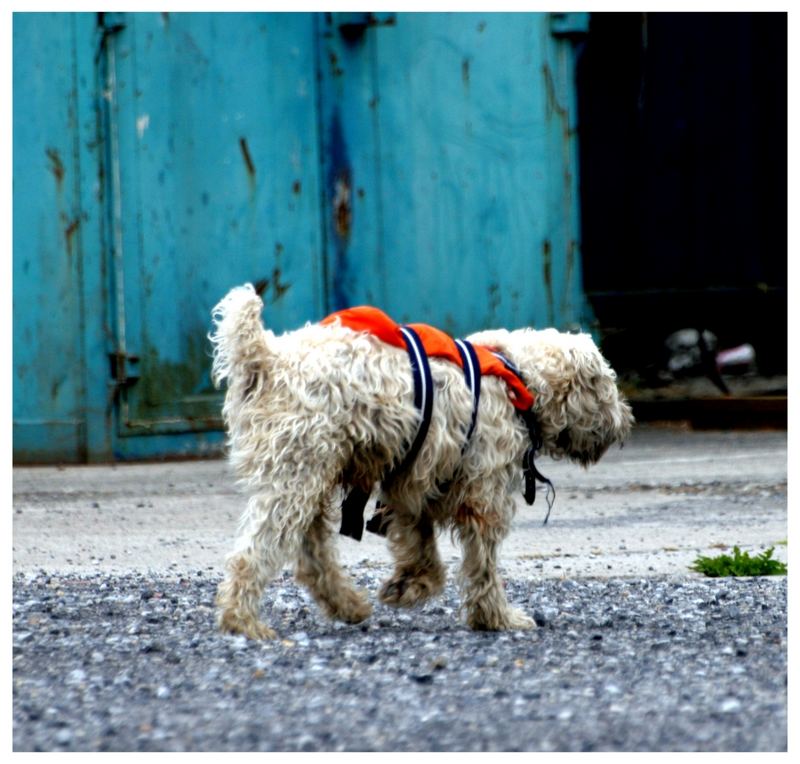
323	408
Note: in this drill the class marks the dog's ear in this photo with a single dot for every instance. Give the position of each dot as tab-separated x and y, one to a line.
585	373
596	413
591	371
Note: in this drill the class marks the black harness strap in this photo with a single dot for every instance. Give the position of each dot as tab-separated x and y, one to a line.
379	522
423	398
472	374
529	468
353	513
355	501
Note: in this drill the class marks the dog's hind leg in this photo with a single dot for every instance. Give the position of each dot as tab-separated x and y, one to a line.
319	570
484	596
419	573
269	537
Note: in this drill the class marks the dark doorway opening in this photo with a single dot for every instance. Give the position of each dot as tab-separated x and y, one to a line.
683	129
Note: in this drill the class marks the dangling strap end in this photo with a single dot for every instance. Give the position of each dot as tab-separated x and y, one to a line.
353	513
379	522
532	474
551	497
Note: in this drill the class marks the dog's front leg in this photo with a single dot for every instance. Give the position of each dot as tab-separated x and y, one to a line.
484	597
419	573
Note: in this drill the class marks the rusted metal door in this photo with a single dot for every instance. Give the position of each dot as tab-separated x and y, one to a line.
50	378
448	171
449	143
424	163
212	180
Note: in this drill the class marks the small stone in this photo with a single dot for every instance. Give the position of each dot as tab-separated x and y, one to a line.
544	616
64	736
76	677
730	706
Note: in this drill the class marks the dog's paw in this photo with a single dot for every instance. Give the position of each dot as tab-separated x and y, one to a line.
508	620
353	609
252	629
405	591
517	619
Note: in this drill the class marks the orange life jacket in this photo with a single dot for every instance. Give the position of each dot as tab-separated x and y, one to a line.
437	344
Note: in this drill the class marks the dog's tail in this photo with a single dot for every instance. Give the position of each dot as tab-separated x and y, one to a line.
239	339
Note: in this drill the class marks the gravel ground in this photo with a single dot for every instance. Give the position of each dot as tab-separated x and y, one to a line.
133	662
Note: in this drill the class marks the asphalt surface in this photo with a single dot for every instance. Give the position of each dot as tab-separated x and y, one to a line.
114	644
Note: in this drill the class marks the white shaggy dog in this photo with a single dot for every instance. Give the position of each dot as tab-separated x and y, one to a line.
315	411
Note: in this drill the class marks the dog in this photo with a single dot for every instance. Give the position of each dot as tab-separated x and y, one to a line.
314	412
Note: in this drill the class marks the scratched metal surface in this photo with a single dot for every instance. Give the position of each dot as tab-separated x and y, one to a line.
425	163
450	156
48	309
217	152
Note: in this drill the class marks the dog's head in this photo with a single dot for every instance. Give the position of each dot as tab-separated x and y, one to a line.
578	406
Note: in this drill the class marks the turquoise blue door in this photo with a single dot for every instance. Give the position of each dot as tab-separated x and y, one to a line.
49	381
449	142
425	163
213	181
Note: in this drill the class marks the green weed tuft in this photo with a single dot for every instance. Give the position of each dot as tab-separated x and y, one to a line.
741	564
